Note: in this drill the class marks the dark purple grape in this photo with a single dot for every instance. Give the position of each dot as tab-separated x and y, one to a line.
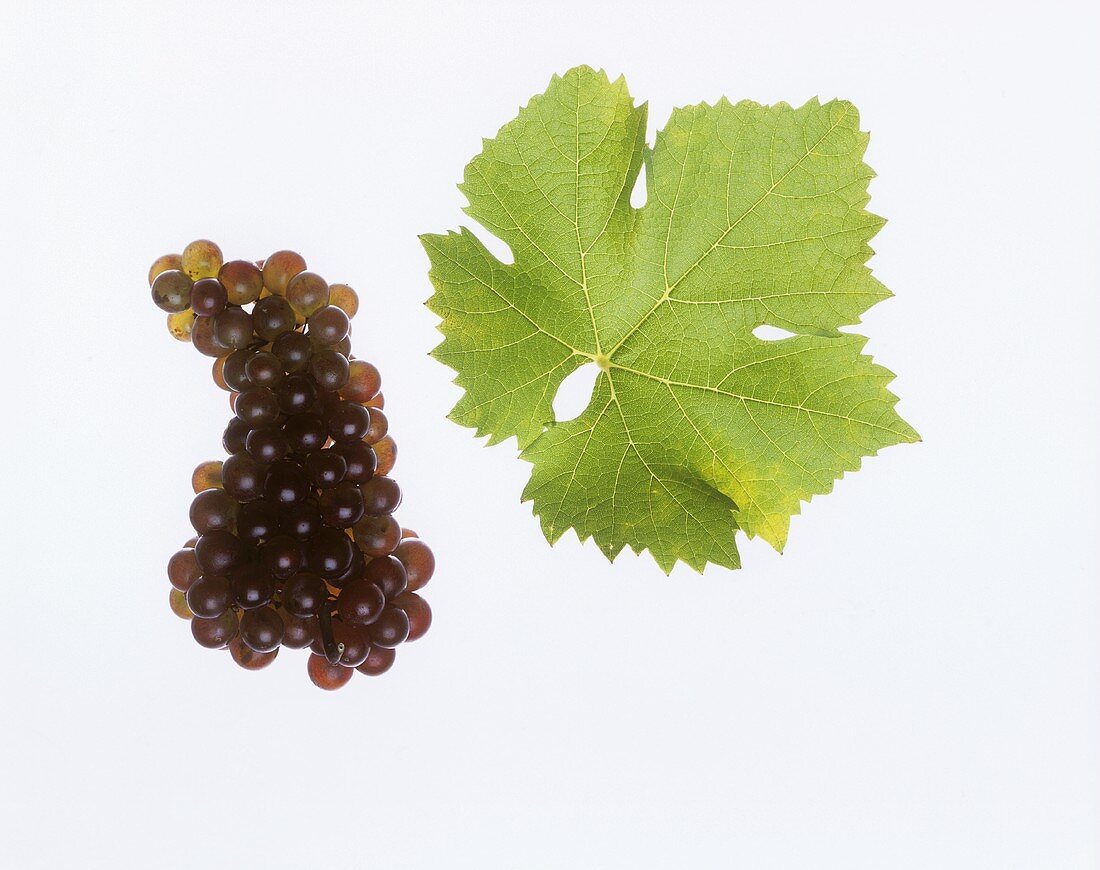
329	368
305	433
281	555
304	594
205	340
252	586
378	661
261	629
243	477
356	643
388	574
325	468
390	628
234	436
381	496
419	613
347	422
264	369
266	445
218	552
215	633
183	569
360	602
341	506
234	371
286	483
296	395
208	297
214	509
293	350
248	658
233	328
298	631
360	461
327	326
377	536
301	519
271	317
257	521
258	407
329	552
209	596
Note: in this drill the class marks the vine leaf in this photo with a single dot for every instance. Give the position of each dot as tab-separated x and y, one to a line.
696	427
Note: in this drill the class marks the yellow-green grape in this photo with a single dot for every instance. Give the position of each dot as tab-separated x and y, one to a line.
207	475
242	280
279	268
202	259
177	600
344	298
307	292
181	323
163	264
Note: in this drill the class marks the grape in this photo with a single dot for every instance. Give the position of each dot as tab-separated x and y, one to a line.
307	292
233	328
281	555
286	483
359	459
388	574
208	297
419	613
233	439
390	629
355	569
329	552
234	369
262	629
213	509
242	281
381	496
251	586
182	324
205	340
242	476
215	633
304	594
343	346
347	422
379	660
207	475
298	631
418	560
177	600
293	350
360	602
218	552
264	369
377	536
209	596
356	644
171	291
301	520
344	298
386	451
248	658
257	521
329	368
266	445
378	428
296	395
325	468
327	326
326	675
279	268
271	317
189	544
342	506
378	402
201	259
258	407
183	569
305	433
363	382
408	533
165	263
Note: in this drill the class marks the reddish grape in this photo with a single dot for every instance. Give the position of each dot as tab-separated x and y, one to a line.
325	675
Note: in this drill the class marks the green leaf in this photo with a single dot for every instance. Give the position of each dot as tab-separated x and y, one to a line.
754	215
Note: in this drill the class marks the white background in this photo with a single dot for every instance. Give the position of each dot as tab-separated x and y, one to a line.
914	684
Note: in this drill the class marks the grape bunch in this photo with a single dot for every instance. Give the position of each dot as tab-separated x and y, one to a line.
296	542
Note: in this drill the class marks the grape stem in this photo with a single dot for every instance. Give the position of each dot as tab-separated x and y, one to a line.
333	650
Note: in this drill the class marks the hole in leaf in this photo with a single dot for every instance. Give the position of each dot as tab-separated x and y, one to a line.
497	247
639	193
767	332
575	392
